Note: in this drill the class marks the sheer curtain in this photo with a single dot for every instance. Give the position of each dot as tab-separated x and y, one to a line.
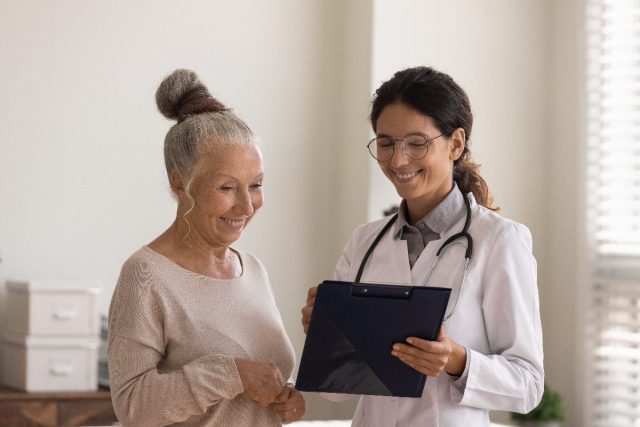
613	212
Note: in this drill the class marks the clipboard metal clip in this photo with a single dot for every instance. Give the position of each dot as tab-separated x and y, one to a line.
369	290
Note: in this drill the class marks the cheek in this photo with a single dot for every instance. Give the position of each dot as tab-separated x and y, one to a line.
219	204
444	167
385	168
436	164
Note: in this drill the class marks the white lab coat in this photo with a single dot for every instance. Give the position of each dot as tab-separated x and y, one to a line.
497	320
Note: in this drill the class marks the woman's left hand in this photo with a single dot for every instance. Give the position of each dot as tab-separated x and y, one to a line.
289	404
432	357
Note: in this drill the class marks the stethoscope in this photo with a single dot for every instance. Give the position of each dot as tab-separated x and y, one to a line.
467	255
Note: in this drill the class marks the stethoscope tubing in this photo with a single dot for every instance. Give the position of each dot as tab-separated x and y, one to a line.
462	234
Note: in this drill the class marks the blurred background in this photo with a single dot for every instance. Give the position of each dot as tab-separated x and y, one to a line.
82	179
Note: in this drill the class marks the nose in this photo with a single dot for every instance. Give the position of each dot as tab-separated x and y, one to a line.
244	204
399	156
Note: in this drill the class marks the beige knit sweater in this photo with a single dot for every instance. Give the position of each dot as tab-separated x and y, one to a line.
173	335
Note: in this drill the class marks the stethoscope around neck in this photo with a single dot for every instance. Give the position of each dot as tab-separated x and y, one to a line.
462	234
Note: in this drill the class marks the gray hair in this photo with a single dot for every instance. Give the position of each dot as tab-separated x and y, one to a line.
203	124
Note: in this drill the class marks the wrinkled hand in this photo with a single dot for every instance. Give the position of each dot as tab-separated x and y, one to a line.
432	357
307	309
262	381
289	405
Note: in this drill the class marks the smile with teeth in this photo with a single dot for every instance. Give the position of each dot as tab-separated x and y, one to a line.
405	176
232	222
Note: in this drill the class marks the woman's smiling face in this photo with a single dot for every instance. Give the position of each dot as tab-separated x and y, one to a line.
425	181
227	194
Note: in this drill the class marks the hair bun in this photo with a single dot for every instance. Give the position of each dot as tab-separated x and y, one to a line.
182	94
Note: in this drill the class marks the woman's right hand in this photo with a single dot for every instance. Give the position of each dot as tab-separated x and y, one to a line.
262	381
307	309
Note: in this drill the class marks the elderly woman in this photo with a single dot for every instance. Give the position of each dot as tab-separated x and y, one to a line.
195	337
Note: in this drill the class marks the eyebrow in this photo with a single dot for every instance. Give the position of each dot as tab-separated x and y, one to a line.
384	135
260	176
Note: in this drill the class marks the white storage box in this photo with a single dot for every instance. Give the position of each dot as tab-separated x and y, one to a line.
41	363
51	307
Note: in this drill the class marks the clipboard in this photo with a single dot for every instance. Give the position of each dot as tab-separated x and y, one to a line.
352	329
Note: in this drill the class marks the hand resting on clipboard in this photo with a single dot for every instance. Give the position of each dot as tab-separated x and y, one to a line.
351	332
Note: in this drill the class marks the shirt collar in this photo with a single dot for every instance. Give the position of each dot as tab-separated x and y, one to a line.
440	218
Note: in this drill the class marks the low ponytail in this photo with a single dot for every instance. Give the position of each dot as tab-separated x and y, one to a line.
466	173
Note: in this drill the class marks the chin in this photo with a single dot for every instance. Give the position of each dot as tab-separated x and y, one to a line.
407	193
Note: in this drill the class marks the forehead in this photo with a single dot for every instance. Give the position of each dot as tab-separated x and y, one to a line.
238	161
401	118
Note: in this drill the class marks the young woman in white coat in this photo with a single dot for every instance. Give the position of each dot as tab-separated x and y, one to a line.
488	355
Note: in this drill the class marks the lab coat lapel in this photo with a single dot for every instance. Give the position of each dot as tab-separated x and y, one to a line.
389	262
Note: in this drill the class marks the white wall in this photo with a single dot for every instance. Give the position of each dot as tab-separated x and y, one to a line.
563	296
82	181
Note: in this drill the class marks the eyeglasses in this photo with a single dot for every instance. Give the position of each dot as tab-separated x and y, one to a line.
414	146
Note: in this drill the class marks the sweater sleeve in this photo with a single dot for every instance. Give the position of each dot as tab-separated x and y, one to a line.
511	378
143	396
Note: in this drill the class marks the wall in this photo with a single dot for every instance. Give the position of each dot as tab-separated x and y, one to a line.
82	180
562	294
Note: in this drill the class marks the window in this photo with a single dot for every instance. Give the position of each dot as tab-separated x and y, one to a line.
613	212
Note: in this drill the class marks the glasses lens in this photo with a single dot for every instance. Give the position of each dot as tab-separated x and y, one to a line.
416	146
381	148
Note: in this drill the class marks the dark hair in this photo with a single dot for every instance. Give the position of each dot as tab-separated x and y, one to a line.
436	95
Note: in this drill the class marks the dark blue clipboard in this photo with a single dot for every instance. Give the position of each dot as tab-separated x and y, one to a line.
352	329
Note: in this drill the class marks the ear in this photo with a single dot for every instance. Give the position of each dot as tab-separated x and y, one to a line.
177	186
458	140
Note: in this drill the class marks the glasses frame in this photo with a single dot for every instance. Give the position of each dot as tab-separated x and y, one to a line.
404	147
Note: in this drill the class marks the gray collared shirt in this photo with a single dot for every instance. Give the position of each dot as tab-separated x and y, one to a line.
431	226
428	229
